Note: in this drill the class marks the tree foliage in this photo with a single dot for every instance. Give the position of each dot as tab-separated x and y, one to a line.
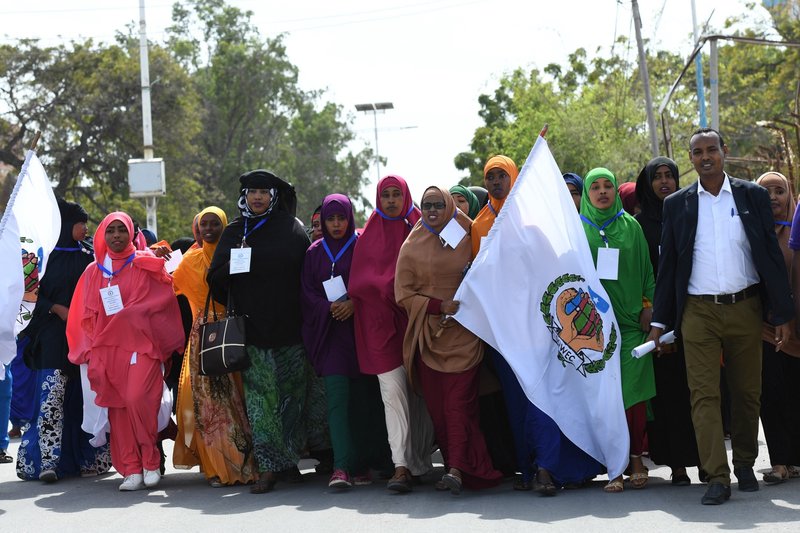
596	111
225	100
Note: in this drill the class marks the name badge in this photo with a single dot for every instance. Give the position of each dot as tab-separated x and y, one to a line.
608	263
112	300
335	289
240	260
452	233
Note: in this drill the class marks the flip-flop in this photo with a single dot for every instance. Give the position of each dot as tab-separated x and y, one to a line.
5	458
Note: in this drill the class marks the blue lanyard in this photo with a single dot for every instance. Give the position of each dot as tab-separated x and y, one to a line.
404	217
433	230
491	208
783	223
602	228
63	249
112	274
350	241
247	233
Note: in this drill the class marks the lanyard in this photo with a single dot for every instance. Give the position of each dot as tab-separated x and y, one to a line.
63	249
387	217
247	233
491	208
602	228
112	274
783	223
341	252
433	230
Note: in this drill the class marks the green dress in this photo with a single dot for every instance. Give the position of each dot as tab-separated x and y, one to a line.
634	281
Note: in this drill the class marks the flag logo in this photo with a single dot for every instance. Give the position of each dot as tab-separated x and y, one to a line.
574	319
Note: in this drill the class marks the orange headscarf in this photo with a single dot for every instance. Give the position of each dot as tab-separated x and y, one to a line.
189	278
485	219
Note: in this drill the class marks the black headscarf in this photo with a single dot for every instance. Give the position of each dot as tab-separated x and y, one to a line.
283	193
269	294
651	206
48	346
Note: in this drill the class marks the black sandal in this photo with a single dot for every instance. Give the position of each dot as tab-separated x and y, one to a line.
545	487
5	458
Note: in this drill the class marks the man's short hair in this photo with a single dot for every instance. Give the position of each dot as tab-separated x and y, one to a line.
703	131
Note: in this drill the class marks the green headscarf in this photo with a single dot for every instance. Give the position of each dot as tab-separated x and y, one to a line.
472	200
634	281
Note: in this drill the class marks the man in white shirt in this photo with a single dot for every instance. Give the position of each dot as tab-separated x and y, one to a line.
720	267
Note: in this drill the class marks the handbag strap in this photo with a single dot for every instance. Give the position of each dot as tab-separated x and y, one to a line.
229	311
210	300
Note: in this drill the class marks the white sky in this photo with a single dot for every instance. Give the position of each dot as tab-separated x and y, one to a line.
431	59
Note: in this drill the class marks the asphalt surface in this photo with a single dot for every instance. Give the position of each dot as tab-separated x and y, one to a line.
184	502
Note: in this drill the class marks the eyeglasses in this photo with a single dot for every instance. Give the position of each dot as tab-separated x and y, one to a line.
427	206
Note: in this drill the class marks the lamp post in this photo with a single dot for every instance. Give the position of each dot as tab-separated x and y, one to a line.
374	108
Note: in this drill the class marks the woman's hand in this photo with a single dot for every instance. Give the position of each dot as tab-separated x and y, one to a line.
449	307
61	310
645	317
341	311
163	251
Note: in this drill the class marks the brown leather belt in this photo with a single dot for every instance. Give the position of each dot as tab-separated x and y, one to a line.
727	299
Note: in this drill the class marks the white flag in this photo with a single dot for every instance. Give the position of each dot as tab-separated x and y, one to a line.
534	295
33	212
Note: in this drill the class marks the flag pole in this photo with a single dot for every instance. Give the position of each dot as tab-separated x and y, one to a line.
543	132
35	141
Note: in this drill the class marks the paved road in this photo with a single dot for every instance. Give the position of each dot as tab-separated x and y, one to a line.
185	501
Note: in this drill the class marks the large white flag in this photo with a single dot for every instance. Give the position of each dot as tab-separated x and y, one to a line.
29	231
534	295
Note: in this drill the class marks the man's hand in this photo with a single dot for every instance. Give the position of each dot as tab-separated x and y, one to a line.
782	334
655	334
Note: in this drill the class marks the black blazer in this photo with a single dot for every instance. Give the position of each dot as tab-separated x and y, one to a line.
677	250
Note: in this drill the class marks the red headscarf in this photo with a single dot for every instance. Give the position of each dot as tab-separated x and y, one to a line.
149	323
627	193
380	322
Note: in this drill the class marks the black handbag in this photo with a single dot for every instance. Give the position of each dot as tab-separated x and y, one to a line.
222	341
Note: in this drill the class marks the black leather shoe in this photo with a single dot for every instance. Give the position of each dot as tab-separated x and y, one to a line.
747	479
717	494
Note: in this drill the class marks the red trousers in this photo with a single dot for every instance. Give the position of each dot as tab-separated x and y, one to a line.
134	427
452	400
637	426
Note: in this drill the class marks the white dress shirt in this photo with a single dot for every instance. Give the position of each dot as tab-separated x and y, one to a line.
722	262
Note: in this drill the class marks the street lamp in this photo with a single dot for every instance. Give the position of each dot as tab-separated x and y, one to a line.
374	108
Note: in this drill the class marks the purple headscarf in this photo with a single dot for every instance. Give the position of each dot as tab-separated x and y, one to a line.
330	344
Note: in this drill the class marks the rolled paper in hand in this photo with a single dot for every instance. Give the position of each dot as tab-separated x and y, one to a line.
646	348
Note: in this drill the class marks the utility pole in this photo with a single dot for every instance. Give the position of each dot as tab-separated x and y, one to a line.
147	121
698	65
651	119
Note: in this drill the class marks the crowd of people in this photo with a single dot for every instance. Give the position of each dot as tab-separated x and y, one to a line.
356	359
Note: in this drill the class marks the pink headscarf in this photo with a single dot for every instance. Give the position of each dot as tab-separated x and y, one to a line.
380	322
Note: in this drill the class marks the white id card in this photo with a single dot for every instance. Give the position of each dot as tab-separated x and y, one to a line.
335	289
112	299
607	263
240	260
175	259
452	233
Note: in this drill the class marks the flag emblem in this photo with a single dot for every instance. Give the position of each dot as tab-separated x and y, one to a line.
571	315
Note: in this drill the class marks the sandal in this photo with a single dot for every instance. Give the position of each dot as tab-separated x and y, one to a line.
778	474
544	483
401	480
5	458
452	482
265	483
793	472
614	486
639	480
215	482
520	483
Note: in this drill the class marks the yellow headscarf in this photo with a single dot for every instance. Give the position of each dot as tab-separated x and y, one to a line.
485	219
189	278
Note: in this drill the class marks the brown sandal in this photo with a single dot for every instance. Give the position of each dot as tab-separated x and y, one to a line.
401	481
265	483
